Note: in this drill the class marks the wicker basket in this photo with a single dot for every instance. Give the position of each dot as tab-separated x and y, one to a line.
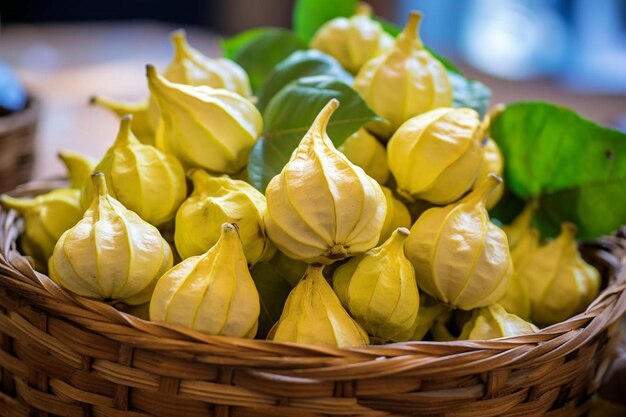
17	138
69	356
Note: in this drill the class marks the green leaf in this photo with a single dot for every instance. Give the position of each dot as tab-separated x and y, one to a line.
298	65
469	93
273	292
289	116
575	168
259	50
309	15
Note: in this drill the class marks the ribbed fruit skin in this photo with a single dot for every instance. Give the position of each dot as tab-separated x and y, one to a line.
436	156
460	257
353	41
213	202
144	179
314	315
321	207
111	253
379	290
493	322
406	81
212	293
204	127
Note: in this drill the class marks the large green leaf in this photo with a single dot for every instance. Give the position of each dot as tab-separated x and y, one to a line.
309	15
259	50
289	116
469	93
575	168
298	65
273	292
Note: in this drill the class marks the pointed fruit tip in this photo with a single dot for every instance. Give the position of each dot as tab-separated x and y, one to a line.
151	71
363	9
568	228
93	100
178	34
99	183
412	25
403	231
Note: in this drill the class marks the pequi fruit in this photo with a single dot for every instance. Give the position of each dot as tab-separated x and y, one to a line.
79	168
493	322
205	127
145	180
559	282
429	311
460	257
516	299
492	162
190	67
364	150
378	288
404	82
46	218
111	253
521	225
436	156
321	207
397	216
291	269
313	314
142	126
273	292
353	41
213	202
212	293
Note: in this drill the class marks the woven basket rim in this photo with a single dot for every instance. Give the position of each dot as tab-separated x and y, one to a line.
17	120
299	360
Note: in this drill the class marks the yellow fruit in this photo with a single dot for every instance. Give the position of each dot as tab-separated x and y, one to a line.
560	283
314	315
379	290
190	67
321	207
142	125
353	41
111	253
522	224
144	179
213	202
460	257
397	216
493	162
79	168
516	299
46	218
436	156
212	293
364	150
429	311
493	322
404	82
205	127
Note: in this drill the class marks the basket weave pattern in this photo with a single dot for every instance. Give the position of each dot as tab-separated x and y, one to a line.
64	355
17	138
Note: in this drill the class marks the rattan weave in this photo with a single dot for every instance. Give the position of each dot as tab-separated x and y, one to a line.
69	356
17	151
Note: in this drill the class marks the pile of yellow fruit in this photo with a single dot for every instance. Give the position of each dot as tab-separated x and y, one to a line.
386	239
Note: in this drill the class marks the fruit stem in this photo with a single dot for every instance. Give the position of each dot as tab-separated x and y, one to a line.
99	183
179	41
362	9
409	37
321	121
480	193
123	135
21	205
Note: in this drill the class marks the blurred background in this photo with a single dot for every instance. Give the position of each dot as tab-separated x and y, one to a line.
571	52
